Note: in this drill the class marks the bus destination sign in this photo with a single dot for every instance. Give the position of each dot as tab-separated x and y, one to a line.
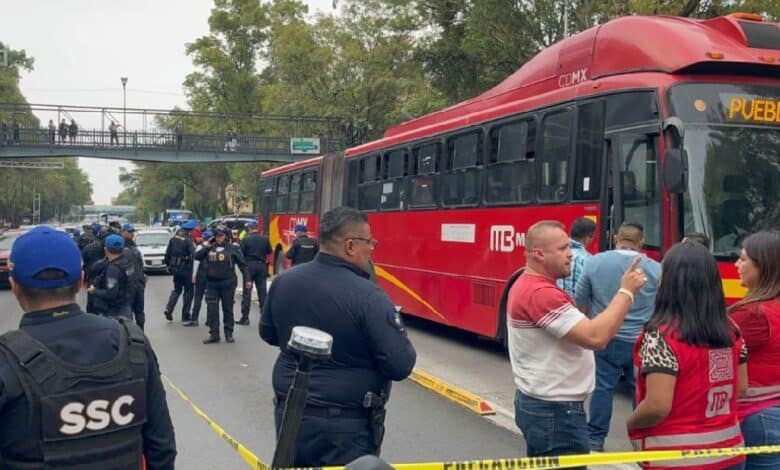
755	109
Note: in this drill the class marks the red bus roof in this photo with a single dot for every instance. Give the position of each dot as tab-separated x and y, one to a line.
293	166
628	45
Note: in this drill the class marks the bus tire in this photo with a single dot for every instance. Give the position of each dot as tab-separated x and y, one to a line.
502	335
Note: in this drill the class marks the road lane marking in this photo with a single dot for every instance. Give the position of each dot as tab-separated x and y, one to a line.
463	397
247	455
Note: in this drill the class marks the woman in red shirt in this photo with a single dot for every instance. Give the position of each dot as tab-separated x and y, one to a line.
690	366
758	317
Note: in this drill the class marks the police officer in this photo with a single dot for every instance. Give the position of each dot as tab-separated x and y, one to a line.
73	385
92	254
134	254
344	415
256	250
178	257
199	279
85	238
221	258
303	248
114	289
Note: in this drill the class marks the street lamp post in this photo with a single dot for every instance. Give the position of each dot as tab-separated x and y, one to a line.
124	108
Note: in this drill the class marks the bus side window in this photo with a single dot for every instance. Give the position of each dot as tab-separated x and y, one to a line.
393	180
510	171
351	196
554	165
282	193
369	189
461	182
267	195
308	192
589	161
423	187
295	193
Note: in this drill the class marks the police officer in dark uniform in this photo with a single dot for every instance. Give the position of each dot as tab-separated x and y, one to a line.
178	257
139	282
344	414
114	289
199	279
92	254
303	248
256	250
76	390
86	237
221	258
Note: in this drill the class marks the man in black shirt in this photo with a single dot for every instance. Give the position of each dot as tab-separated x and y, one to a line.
256	250
344	414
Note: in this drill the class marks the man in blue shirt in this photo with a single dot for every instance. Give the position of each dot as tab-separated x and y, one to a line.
598	283
582	233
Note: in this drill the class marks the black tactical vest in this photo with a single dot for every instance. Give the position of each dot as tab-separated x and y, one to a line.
88	416
219	263
180	256
306	249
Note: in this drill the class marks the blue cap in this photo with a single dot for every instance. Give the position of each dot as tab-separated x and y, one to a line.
190	225
128	228
251	224
300	228
114	243
45	248
95	228
208	234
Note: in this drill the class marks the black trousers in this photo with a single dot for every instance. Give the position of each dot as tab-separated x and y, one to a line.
258	273
181	282
200	290
137	305
217	291
332	440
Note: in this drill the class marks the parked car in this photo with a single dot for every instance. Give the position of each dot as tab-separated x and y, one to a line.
6	242
152	244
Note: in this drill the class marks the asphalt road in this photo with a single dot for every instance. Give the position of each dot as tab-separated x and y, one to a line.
232	384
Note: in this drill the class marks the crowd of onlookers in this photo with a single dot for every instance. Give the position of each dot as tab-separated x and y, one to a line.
704	375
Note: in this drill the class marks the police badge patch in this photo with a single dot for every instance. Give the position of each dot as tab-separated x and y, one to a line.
221	257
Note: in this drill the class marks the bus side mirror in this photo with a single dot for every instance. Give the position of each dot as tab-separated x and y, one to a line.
674	171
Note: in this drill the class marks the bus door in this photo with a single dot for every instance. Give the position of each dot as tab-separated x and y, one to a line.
632	192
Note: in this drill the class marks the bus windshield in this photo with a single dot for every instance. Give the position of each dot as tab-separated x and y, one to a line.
732	142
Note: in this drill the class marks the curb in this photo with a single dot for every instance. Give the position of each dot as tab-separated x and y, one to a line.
462	397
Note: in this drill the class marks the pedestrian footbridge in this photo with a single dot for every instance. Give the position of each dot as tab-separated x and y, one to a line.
173	136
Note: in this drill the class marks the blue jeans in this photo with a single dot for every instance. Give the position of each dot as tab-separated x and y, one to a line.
762	429
616	360
551	427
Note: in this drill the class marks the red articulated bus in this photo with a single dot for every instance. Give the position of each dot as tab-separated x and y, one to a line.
670	122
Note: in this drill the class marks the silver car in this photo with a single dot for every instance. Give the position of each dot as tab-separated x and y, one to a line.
152	244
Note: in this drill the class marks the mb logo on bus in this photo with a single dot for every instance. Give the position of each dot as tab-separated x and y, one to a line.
503	238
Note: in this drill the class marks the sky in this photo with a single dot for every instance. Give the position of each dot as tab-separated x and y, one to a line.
83	47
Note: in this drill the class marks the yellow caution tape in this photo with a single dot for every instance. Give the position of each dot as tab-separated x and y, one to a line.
568	461
246	454
537	463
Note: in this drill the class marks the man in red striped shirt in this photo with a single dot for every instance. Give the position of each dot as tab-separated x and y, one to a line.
551	343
